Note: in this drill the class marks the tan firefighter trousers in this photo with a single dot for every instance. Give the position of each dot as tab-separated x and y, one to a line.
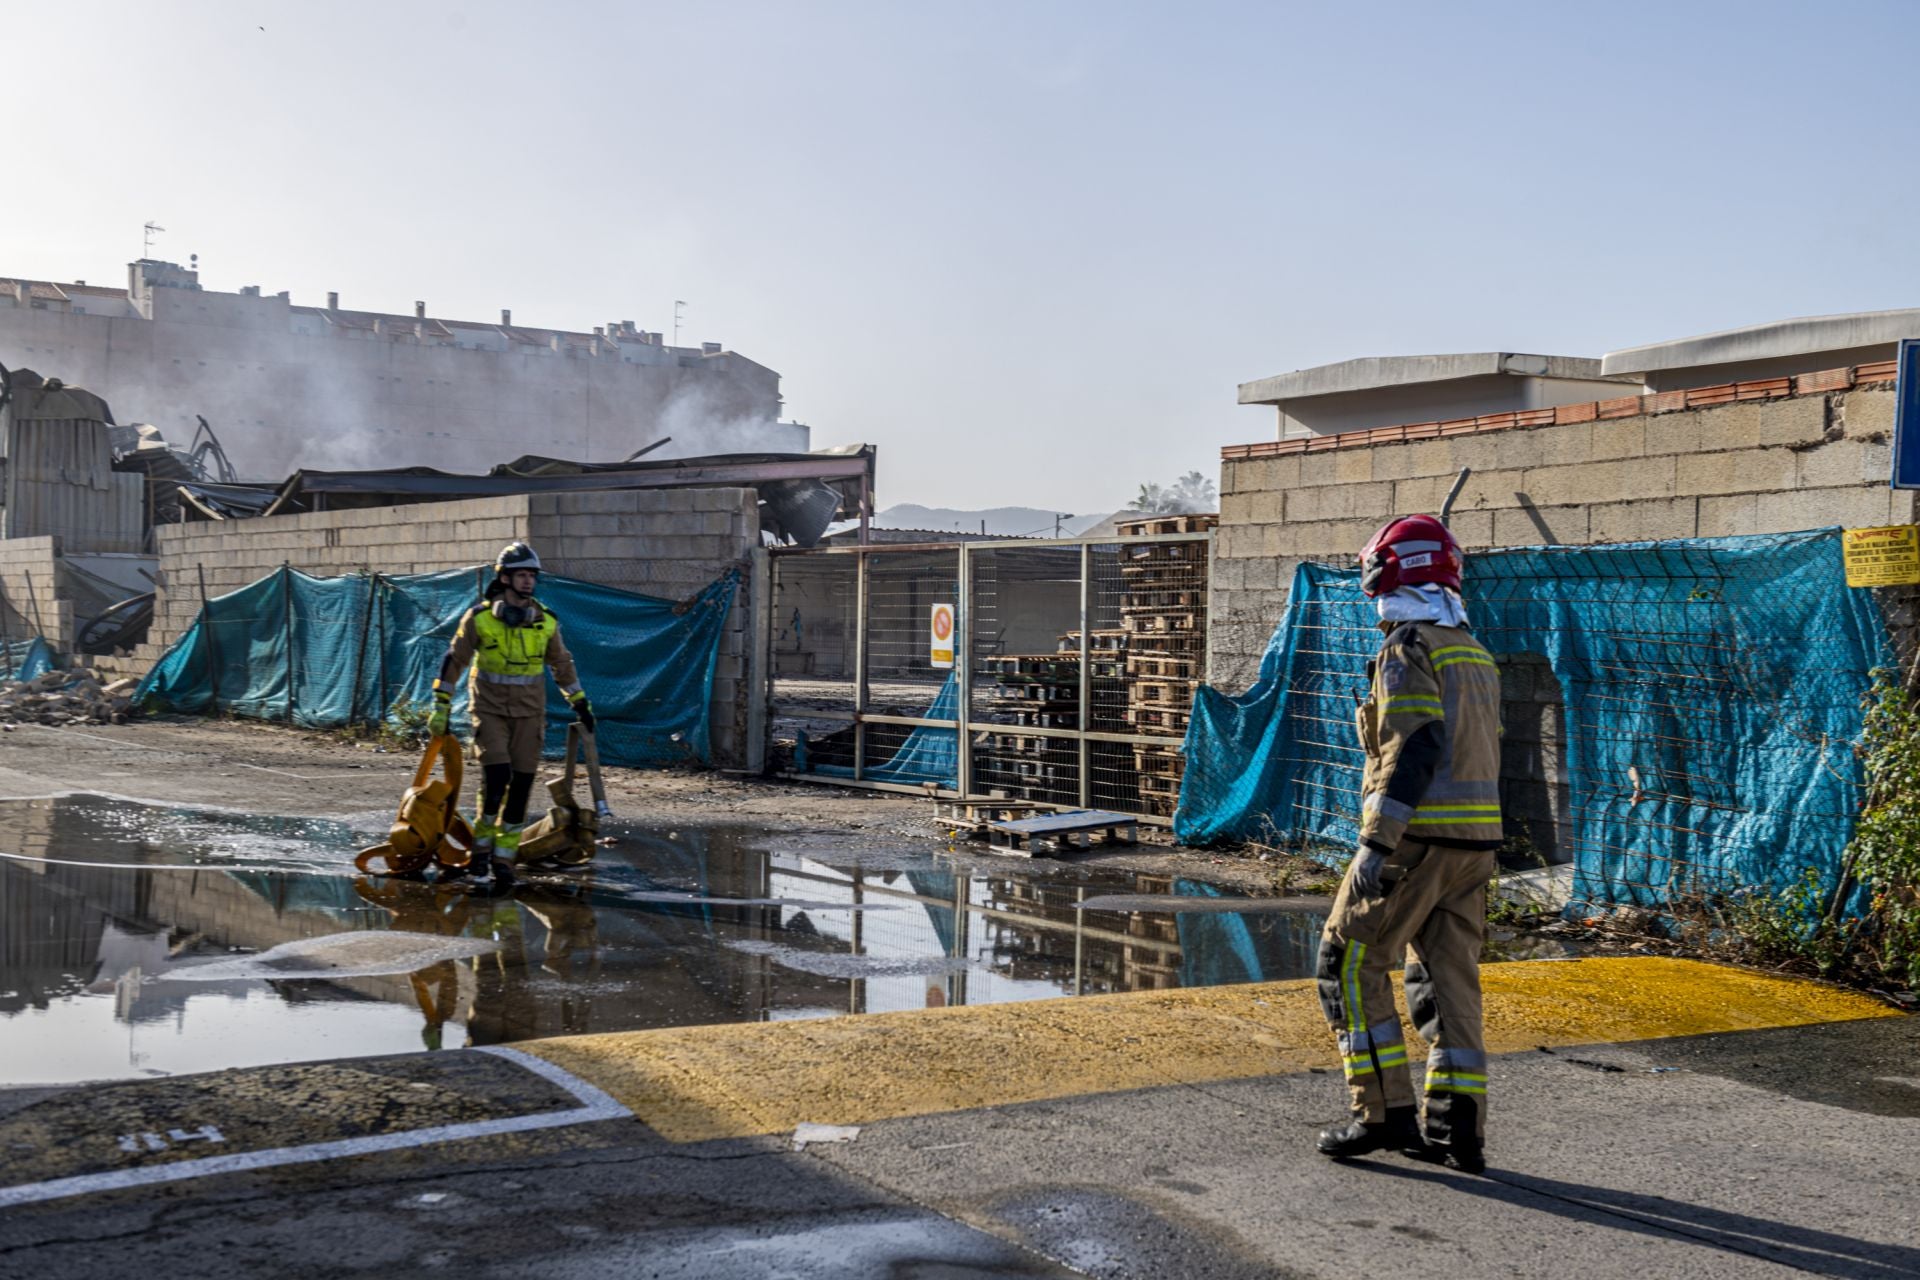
1436	903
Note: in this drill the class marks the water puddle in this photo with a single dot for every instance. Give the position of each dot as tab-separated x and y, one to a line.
140	939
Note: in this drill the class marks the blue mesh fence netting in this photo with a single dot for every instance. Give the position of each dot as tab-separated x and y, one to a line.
327	652
1680	717
25	659
927	754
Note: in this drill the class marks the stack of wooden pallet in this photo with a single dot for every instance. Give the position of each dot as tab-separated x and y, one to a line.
1039	691
1163	612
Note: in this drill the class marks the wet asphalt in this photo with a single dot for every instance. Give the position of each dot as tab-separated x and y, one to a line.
1750	1154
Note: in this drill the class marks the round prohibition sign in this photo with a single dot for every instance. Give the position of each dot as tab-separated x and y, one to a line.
942	621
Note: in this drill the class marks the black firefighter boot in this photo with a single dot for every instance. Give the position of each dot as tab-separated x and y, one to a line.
1400	1130
1452	1136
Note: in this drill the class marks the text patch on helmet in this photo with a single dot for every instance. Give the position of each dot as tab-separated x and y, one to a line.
1420	561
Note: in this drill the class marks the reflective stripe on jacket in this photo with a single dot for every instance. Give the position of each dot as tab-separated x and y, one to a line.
1443	784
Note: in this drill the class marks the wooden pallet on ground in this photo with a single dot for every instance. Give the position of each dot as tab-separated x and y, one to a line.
1065	832
972	817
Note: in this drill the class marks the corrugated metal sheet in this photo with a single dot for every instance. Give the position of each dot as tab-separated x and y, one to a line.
60	481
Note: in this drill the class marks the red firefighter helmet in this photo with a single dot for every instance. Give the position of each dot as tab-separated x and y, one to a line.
1406	552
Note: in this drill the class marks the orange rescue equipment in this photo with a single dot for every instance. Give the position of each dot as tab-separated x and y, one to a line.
428	827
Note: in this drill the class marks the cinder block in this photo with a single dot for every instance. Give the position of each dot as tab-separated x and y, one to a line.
1430	458
1264	573
1626	479
1647	521
1845	462
1754	424
1235	508
1868	414
1617	438
1471	528
1729	515
1269	507
1499	450
1317	539
1553	526
1237	476
1818	508
1275	473
1739	471
1337	502
1337	466
1229	575
1238	541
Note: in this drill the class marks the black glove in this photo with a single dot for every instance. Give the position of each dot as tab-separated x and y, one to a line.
583	712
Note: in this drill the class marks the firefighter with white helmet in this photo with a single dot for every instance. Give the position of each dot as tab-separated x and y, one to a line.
510	640
1429	826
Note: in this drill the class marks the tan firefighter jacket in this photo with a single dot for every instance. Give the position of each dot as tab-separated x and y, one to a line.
1431	730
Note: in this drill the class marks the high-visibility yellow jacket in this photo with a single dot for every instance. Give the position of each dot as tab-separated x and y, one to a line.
1431	730
510	663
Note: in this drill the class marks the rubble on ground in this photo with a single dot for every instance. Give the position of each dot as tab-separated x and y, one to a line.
65	698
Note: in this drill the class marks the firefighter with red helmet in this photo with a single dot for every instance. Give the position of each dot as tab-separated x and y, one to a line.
1429	826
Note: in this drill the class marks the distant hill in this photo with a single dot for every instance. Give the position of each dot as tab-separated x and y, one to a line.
1028	521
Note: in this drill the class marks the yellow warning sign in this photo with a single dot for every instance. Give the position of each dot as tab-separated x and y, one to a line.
1885	557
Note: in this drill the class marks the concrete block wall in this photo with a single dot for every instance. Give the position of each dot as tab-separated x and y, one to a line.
662	542
36	560
669	543
1772	465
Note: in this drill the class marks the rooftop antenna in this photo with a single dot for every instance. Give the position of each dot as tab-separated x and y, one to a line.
679	310
146	245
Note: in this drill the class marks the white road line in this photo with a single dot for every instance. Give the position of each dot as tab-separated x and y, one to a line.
596	1105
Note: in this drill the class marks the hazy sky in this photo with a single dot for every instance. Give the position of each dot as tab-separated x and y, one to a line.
1029	250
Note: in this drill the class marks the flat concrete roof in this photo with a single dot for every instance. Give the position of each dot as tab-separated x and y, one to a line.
1369	373
1773	341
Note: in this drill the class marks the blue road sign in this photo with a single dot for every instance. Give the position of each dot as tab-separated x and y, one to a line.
1906	418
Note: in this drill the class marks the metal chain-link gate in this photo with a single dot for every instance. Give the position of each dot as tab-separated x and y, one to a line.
1066	668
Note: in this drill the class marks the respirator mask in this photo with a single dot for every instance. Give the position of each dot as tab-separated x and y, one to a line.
518	615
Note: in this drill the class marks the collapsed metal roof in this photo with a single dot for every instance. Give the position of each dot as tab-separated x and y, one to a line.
800	493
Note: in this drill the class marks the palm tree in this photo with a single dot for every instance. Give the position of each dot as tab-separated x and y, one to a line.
1153	500
1194	492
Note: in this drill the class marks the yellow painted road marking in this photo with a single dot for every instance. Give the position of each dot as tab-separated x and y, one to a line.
697	1083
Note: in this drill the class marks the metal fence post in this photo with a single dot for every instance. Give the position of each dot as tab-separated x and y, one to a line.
360	652
1085	719
286	627
859	664
213	639
963	673
759	656
6	636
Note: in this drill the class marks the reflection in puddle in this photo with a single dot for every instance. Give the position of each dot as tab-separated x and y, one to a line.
144	939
